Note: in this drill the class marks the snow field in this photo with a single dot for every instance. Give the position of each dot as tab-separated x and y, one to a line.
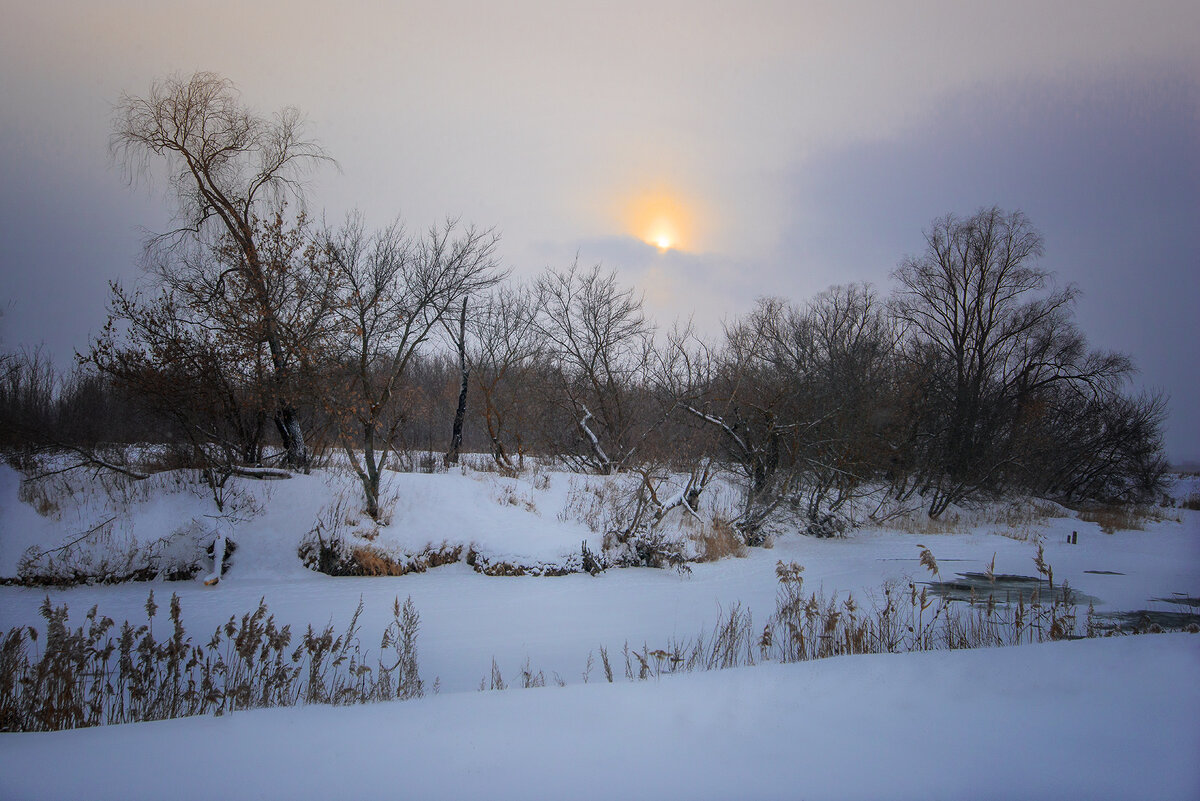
1115	718
1098	719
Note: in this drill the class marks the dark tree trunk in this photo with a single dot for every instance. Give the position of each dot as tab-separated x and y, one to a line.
292	436
465	373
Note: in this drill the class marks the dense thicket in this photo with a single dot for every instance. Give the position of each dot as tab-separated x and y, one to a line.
264	337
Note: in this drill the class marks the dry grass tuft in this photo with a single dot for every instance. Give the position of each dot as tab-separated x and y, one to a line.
1019	533
1112	519
921	523
719	539
509	496
96	674
927	560
39	495
1115	517
1024	512
374	562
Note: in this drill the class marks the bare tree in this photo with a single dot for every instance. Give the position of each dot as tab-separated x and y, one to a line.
603	347
742	393
506	353
196	353
392	291
991	335
203	383
849	402
229	168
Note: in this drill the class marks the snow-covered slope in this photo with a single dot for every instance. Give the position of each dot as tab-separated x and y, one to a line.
1095	719
467	618
1099	719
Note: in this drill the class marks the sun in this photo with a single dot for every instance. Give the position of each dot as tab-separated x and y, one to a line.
660	219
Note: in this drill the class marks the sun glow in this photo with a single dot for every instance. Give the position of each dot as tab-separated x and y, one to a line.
660	219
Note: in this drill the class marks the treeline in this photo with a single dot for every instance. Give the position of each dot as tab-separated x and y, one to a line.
262	335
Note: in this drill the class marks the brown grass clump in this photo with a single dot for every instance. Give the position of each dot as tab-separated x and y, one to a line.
1019	533
1023	512
718	539
374	562
1115	517
921	523
38	494
1191	502
510	497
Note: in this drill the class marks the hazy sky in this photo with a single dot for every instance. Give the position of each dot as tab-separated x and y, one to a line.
783	147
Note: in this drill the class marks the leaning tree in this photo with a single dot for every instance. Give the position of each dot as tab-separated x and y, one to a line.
232	171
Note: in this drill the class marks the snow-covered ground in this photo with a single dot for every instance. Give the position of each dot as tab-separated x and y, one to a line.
1097	719
1113	718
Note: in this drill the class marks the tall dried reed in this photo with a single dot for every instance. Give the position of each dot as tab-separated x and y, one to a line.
96	674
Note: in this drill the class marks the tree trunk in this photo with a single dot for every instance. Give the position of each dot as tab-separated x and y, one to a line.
465	373
292	437
371	494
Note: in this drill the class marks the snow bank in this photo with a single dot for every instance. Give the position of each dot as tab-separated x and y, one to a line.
1117	718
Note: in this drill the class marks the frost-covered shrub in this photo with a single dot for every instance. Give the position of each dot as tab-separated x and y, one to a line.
325	552
337	545
636	531
499	566
649	548
826	525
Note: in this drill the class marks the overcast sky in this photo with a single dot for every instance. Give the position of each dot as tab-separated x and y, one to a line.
792	145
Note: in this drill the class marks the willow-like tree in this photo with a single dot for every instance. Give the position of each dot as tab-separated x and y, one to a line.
231	171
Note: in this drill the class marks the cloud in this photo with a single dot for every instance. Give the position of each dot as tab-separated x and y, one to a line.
1108	169
678	285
